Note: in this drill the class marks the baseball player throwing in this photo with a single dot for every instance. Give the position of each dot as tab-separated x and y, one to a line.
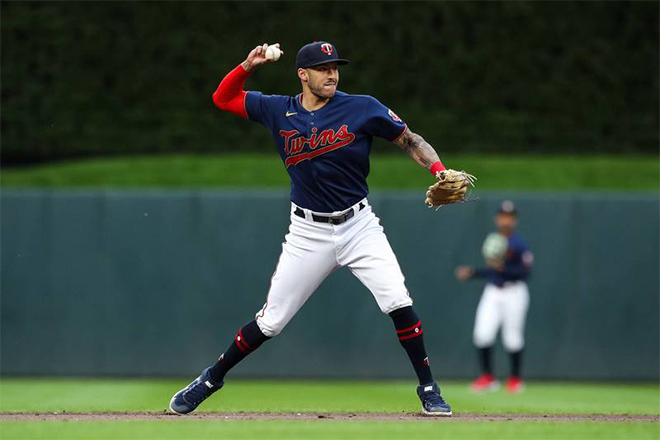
505	298
324	137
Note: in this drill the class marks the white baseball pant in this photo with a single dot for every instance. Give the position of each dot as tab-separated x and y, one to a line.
502	307
314	250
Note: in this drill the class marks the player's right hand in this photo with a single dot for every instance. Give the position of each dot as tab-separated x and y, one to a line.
257	57
464	272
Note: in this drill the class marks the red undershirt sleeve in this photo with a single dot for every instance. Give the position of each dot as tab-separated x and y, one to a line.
230	96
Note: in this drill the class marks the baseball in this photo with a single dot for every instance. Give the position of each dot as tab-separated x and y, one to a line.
273	53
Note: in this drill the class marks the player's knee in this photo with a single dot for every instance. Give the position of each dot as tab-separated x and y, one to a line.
394	307
274	332
513	342
268	329
483	339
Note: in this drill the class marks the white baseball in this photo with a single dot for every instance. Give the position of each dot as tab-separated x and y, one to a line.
273	53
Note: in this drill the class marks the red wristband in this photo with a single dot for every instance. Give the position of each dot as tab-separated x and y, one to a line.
438	166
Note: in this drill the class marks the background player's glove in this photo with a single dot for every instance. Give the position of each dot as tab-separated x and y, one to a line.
451	187
494	247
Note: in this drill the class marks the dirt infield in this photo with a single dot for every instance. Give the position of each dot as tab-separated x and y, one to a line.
468	417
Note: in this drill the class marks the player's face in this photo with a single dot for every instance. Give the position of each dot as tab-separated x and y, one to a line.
322	80
506	223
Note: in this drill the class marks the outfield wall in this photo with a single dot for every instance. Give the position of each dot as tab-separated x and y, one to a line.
156	283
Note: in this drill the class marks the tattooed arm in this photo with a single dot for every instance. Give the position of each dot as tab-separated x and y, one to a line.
451	186
418	149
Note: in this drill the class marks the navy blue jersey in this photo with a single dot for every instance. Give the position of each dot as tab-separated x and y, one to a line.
325	151
517	263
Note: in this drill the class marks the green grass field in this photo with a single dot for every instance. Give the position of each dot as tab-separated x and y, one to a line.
548	173
148	399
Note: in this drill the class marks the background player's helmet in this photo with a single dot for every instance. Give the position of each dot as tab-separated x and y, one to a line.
317	53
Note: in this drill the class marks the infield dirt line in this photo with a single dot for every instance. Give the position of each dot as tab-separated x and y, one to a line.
467	417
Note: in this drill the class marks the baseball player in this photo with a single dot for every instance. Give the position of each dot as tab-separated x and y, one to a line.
505	299
324	137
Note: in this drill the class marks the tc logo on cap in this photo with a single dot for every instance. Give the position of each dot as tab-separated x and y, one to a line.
326	48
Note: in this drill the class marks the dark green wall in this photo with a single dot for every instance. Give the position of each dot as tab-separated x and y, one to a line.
156	282
88	78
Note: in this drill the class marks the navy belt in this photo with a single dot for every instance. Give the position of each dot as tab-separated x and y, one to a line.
336	220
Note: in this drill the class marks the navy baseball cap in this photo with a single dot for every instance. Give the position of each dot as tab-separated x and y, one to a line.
507	207
317	53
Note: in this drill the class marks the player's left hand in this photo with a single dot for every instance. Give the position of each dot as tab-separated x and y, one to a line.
464	272
451	187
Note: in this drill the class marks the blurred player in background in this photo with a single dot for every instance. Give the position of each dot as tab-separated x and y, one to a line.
505	299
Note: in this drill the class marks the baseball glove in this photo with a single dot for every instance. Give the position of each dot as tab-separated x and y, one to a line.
494	247
451	187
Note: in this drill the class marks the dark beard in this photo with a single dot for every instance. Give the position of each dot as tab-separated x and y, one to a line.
319	94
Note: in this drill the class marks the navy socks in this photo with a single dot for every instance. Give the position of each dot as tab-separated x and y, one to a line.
515	362
485	360
248	339
406	322
409	331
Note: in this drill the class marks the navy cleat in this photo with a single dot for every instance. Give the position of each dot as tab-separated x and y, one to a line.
432	402
189	398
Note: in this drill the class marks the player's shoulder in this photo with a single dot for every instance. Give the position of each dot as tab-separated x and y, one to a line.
357	99
343	95
271	99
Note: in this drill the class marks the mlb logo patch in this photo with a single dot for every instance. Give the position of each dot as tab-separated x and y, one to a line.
394	116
